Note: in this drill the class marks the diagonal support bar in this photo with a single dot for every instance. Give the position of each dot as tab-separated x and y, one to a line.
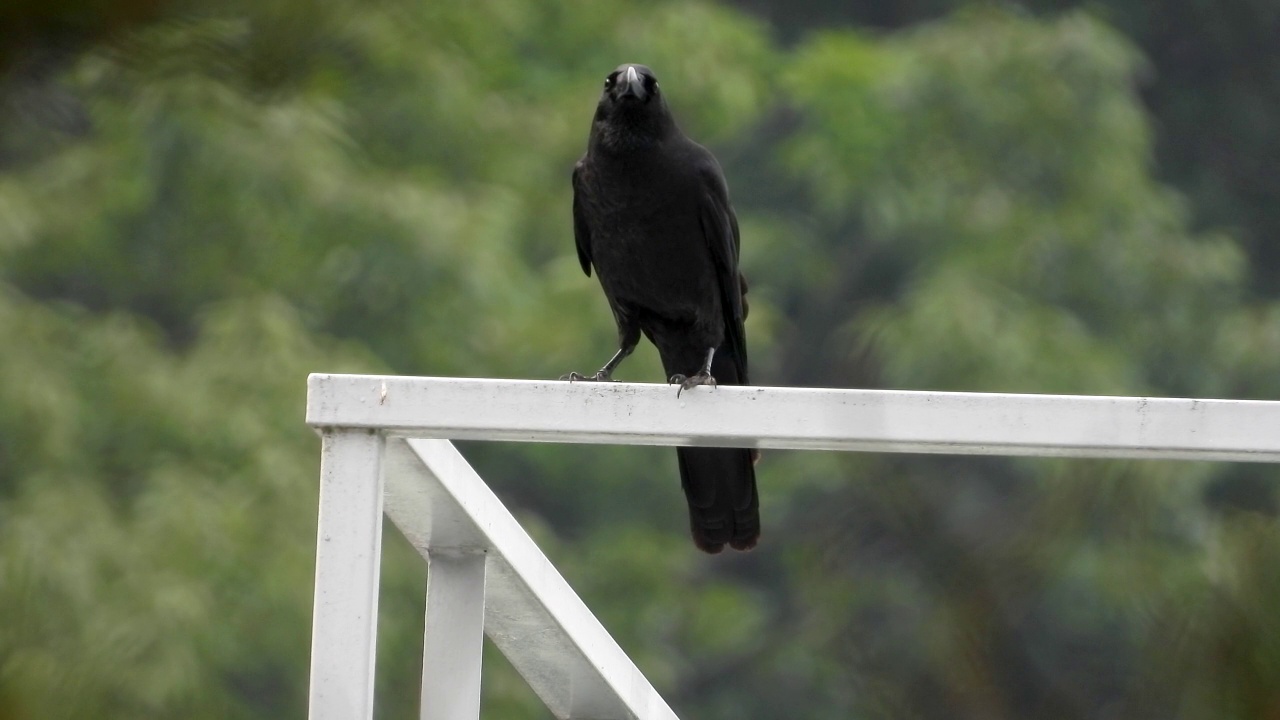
530	613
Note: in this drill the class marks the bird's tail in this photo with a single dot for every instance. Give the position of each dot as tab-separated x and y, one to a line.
720	485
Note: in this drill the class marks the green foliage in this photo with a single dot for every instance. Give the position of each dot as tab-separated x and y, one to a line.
1015	181
267	190
145	492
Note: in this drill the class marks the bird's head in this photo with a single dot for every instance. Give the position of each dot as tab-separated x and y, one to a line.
632	110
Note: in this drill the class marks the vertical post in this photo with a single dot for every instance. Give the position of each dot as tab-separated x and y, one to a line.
454	636
348	552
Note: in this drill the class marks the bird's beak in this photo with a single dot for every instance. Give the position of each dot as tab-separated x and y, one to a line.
632	85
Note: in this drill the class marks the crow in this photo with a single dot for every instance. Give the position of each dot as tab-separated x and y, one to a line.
651	214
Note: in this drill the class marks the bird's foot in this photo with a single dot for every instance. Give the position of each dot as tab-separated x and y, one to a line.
600	376
702	378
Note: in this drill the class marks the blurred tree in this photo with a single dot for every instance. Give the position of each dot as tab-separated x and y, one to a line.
1209	83
1004	164
197	210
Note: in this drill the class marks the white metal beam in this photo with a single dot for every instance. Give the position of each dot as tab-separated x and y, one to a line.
803	418
486	571
530	612
348	553
454	637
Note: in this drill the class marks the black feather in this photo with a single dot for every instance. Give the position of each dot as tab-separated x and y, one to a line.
652	216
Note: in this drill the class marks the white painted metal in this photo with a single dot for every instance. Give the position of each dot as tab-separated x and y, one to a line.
486	571
804	418
530	612
454	637
348	552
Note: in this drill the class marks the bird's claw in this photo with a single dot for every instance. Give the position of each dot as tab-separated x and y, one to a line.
687	382
600	376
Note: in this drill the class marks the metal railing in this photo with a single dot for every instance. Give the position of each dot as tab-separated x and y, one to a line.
486	576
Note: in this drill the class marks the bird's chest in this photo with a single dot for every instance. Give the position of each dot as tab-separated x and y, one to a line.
647	239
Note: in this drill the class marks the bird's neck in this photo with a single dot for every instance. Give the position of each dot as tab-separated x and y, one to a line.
633	135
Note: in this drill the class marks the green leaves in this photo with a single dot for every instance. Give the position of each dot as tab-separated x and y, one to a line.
264	191
156	508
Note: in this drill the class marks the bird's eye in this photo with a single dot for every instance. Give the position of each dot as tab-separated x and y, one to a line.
608	82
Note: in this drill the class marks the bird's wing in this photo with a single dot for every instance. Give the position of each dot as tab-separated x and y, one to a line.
720	228
581	231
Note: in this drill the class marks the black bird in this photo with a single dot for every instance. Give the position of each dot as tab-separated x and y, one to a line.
651	214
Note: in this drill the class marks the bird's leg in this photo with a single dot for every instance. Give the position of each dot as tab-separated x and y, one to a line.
626	345
703	376
604	374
